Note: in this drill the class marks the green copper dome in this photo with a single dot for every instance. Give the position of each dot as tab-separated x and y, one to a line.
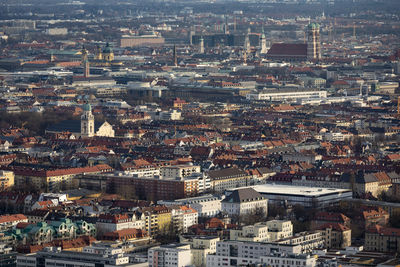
313	25
107	49
87	107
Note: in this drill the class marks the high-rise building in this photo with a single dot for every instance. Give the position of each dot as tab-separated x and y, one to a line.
201	48
246	47
313	42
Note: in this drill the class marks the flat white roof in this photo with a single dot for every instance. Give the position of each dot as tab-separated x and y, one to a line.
295	190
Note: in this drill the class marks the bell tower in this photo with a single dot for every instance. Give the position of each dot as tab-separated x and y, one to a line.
313	42
87	121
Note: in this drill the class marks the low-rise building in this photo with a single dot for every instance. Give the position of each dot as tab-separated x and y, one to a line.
244	201
307	240
201	246
336	235
279	229
9	221
382	239
92	256
283	260
6	179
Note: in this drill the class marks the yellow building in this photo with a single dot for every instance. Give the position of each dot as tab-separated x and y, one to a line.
6	179
157	219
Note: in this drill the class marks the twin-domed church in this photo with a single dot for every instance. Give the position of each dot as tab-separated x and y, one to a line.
86	127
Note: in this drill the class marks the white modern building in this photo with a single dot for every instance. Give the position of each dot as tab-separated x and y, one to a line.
171	255
293	260
286	95
92	256
302	195
235	253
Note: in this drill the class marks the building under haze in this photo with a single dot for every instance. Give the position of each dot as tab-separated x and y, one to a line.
299	52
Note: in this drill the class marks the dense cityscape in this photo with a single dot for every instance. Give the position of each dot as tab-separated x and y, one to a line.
199	133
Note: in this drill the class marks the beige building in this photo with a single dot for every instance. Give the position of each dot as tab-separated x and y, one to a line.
54	180
279	229
228	179
336	235
201	247
382	239
373	183
141	40
307	240
252	233
6	179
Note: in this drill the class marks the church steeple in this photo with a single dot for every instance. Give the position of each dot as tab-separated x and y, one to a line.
87	121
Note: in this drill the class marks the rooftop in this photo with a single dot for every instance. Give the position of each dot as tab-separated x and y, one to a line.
296	190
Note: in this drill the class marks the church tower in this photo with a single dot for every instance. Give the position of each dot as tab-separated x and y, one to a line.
313	42
263	43
108	54
87	121
99	55
85	63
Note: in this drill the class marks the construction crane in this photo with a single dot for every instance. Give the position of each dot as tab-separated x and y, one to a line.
398	106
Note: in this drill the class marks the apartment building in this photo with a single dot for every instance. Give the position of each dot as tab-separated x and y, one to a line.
279	229
206	205
171	255
201	246
235	253
244	201
6	179
382	239
179	171
93	256
228	178
308	241
284	260
251	233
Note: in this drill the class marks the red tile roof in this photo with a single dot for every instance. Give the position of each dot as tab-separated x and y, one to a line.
288	50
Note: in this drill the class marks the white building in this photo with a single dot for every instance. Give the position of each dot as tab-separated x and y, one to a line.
201	246
286	95
253	233
184	217
278	229
235	253
171	255
179	171
302	195
284	260
93	256
110	223
171	115
244	201
206	206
